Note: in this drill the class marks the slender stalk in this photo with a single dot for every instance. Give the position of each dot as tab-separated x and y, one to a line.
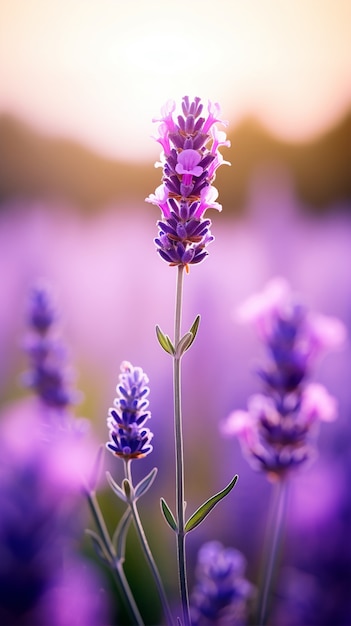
116	564
275	531
179	454
146	548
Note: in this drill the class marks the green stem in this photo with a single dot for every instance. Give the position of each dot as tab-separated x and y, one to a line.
116	564
179	454
145	546
275	531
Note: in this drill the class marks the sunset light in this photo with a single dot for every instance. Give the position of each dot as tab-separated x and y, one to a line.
97	71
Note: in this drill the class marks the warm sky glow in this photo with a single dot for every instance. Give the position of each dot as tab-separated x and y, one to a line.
99	70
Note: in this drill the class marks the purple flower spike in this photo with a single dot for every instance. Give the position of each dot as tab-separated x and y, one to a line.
42	312
221	592
43	579
278	431
129	437
189	160
48	375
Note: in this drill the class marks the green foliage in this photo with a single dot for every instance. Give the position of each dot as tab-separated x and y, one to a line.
144	485
207	506
120	493
165	341
120	535
184	343
168	515
99	547
194	328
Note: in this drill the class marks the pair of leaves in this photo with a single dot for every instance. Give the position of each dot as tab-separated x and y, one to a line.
201	513
110	552
115	552
126	493
184	343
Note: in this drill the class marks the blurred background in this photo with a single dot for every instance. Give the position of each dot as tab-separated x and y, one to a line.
79	86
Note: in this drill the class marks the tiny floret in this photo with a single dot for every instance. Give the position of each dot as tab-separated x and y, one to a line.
187	163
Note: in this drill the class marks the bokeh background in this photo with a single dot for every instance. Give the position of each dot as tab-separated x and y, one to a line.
80	83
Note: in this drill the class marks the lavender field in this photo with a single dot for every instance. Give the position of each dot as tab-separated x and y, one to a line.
112	290
175	404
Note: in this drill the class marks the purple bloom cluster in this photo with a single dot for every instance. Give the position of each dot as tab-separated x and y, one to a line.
189	160
129	437
40	522
221	592
43	579
27	517
278	431
48	375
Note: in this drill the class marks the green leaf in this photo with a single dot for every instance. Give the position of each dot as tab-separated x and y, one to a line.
116	488
128	489
168	515
207	506
99	546
193	330
120	535
145	483
184	344
165	341
187	340
97	468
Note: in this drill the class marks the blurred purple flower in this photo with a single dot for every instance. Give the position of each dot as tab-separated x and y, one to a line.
278	431
41	520
43	462
49	375
297	599
189	167
130	438
72	448
31	537
75	598
294	336
221	592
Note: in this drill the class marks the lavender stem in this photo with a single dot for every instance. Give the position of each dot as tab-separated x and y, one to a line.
275	531
117	568
146	548
179	454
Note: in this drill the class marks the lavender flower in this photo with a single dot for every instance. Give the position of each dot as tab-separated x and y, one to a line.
189	164
49	376
30	539
129	437
42	466
221	593
278	432
40	522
